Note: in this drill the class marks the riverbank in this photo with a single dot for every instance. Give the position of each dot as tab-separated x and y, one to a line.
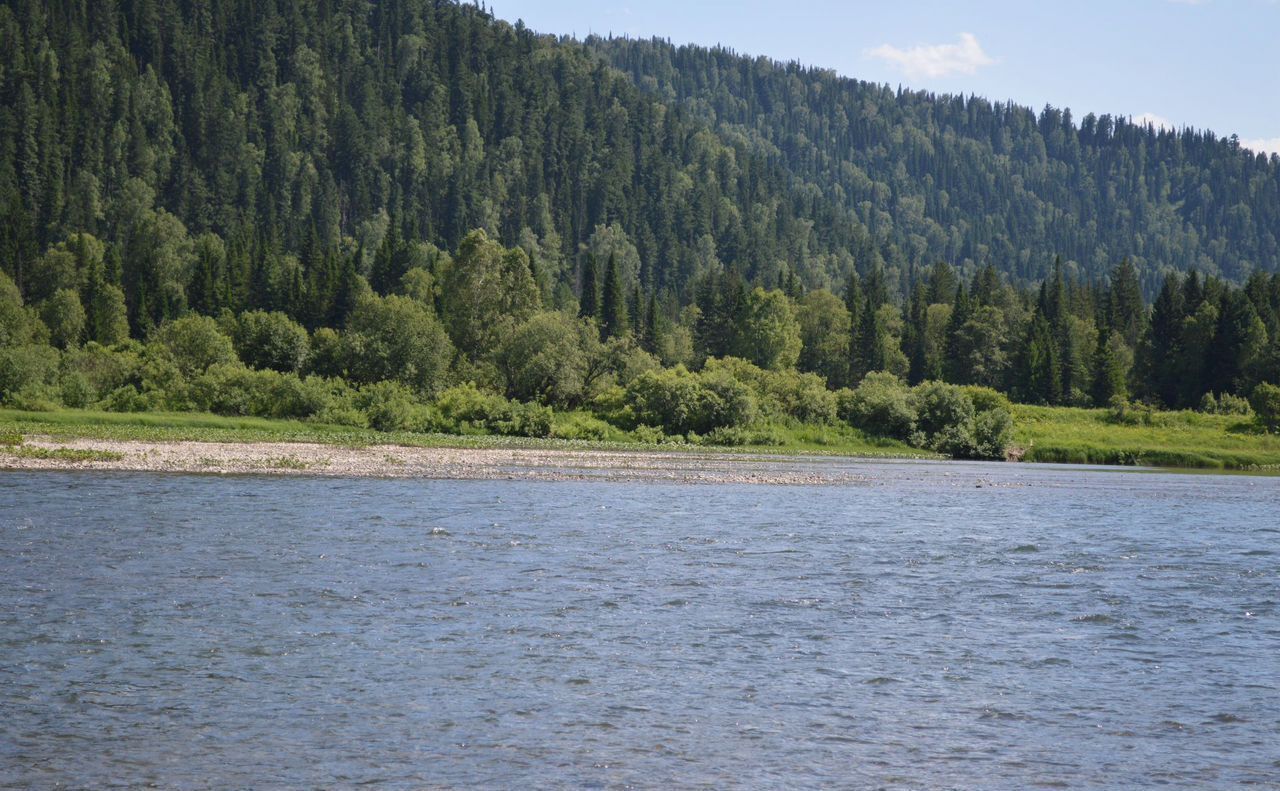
399	461
209	443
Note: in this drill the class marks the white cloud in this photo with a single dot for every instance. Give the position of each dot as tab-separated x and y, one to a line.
1263	145
935	60
1158	121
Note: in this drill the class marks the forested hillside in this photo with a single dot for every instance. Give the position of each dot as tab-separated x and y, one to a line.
967	180
305	209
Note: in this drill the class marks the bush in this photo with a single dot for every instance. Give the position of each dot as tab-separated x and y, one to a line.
992	434
788	393
388	406
271	341
231	389
125	399
880	405
1126	413
195	343
26	372
681	402
940	407
75	390
1266	404
580	426
1227	404
104	368
648	435
465	407
396	338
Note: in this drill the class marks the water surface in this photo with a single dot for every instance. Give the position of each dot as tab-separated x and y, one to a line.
959	625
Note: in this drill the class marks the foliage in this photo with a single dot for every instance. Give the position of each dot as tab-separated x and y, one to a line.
395	338
1266	404
194	343
879	405
271	340
680	402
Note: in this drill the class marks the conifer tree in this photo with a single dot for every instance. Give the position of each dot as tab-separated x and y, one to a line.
613	308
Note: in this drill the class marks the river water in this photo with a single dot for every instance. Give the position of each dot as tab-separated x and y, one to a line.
940	626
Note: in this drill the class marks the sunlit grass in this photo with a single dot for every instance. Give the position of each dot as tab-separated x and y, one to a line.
199	427
1050	434
1172	439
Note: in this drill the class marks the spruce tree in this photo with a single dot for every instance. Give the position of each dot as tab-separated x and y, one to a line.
613	308
589	299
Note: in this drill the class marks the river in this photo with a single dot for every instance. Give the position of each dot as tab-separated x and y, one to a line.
941	625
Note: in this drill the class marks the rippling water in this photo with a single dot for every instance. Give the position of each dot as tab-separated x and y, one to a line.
993	626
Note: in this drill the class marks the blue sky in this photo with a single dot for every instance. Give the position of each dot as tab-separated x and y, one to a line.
1211	64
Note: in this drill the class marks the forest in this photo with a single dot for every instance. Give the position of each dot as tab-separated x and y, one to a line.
411	215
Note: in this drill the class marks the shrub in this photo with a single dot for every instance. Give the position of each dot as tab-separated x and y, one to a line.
1227	404
940	406
1232	404
1126	413
75	390
26	372
992	433
271	341
788	393
880	405
681	402
125	398
195	343
1266	404
104	368
387	406
580	426
232	389
648	435
465	407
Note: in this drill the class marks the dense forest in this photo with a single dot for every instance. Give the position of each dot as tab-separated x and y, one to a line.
415	195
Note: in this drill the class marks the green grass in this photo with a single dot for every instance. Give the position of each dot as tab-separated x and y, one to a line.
60	454
1171	439
586	432
1050	434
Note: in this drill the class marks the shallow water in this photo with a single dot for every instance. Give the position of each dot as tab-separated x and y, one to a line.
960	625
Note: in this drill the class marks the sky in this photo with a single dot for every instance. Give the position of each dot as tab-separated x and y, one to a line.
1209	64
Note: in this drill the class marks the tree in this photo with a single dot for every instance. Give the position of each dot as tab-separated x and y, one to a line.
769	334
64	316
589	300
551	358
1040	374
195	343
15	322
613	309
824	335
396	338
1265	401
271	340
1110	378
485	293
1124	303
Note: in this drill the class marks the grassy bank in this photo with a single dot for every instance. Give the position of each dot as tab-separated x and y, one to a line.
201	427
1050	434
1163	439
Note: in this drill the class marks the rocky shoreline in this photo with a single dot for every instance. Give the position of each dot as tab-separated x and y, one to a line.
394	461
